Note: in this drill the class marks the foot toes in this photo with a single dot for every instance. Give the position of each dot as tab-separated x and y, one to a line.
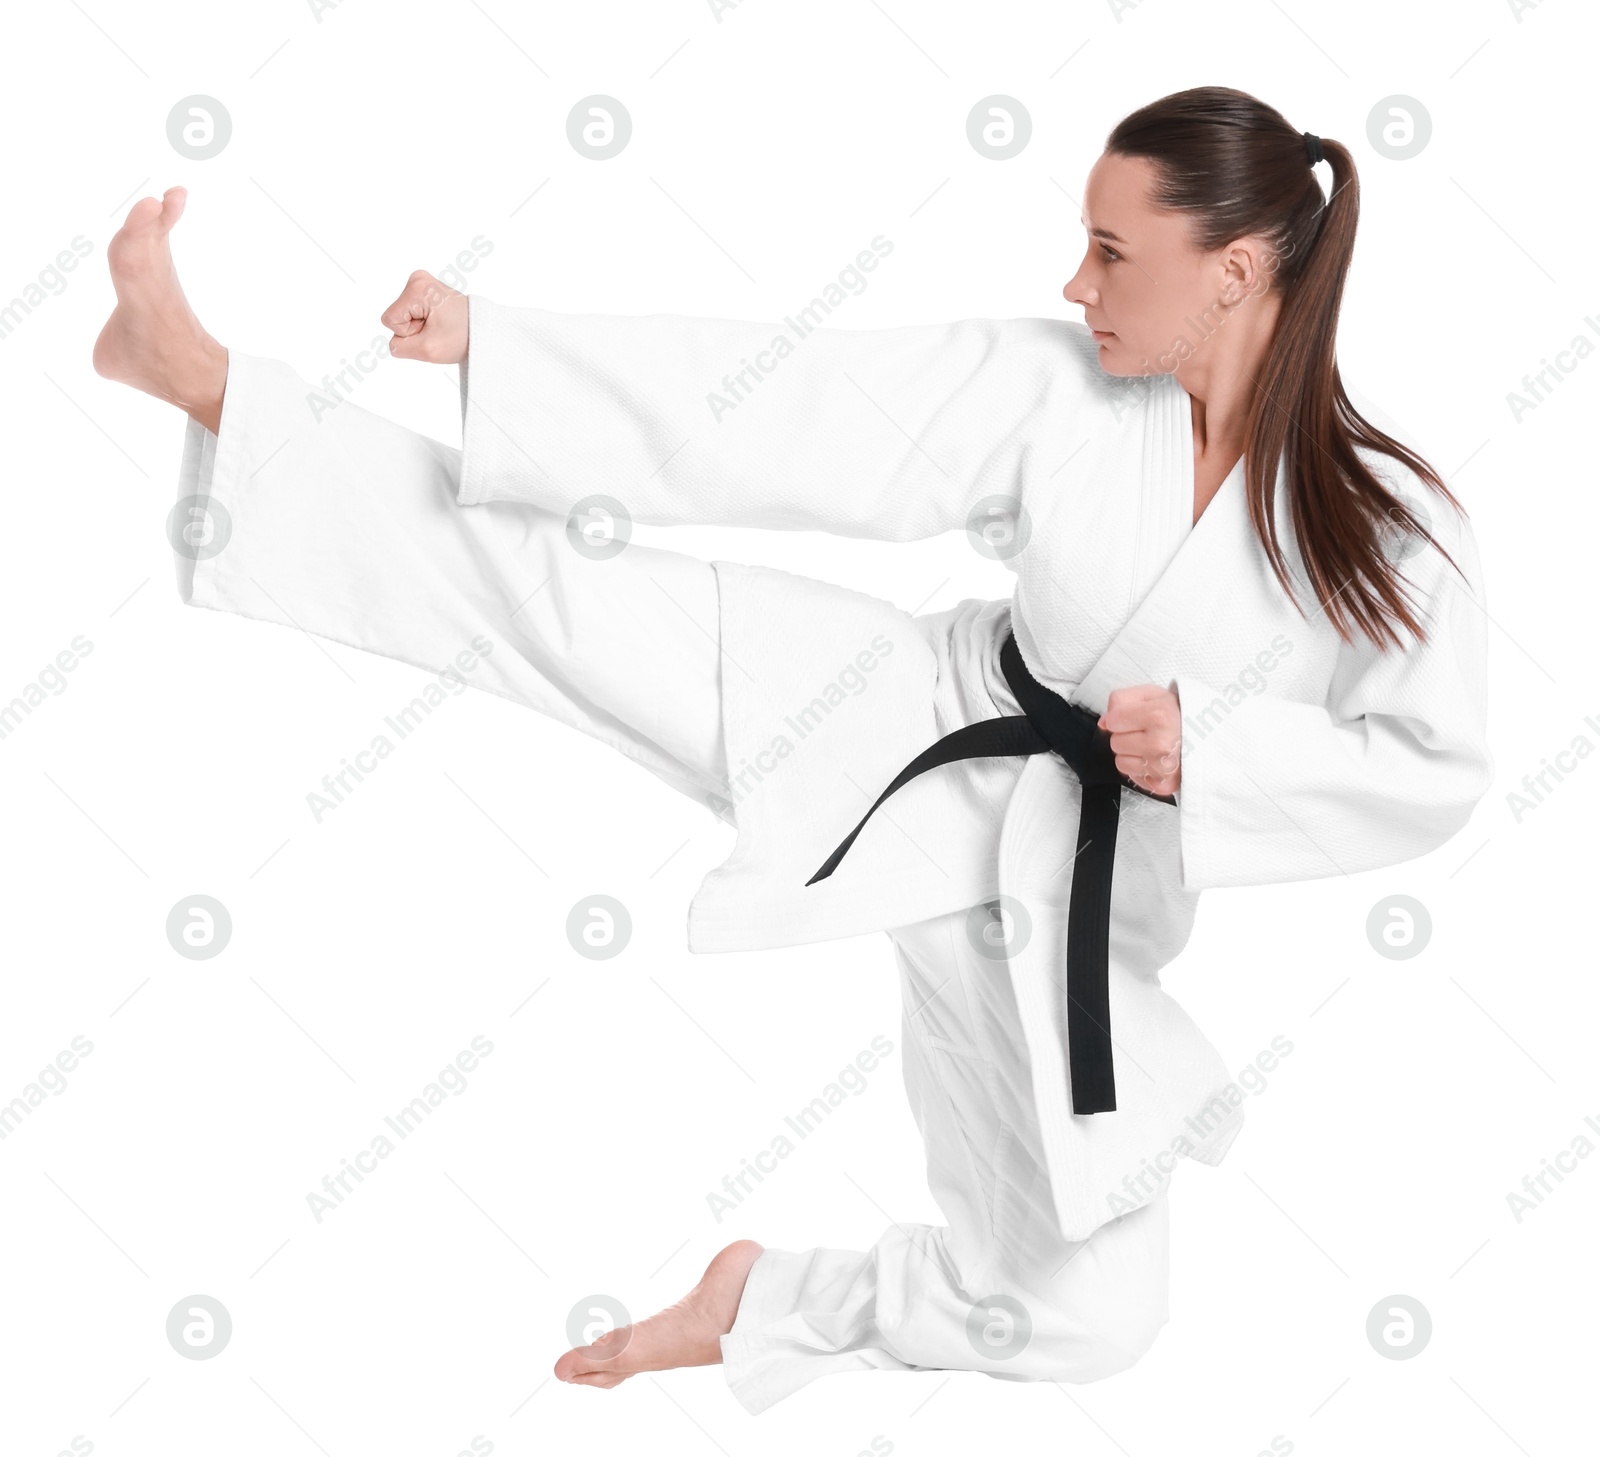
571	1366
143	213
172	204
583	1362
612	1344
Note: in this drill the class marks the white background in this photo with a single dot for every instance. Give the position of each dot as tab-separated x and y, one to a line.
770	146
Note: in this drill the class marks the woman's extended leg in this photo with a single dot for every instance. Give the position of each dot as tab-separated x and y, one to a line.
312	512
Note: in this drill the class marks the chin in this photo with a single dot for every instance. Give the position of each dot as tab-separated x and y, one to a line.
1113	360
1117	358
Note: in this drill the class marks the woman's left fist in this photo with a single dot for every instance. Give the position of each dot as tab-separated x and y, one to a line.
1146	731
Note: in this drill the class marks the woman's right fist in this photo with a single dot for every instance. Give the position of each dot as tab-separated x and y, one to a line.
429	321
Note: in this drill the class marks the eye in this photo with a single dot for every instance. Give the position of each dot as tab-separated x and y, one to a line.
1111	255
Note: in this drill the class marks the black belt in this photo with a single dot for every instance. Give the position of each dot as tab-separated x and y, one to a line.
1048	721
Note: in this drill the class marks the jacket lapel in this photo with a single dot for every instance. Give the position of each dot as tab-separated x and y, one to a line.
1148	646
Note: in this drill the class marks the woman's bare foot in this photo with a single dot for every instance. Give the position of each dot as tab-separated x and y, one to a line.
153	341
685	1334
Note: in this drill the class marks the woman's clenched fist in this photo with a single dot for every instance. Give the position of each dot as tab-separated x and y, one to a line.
429	321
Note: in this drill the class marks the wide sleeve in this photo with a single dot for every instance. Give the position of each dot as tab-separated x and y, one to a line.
894	433
1388	769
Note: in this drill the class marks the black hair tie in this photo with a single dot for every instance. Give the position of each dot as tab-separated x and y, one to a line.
1313	147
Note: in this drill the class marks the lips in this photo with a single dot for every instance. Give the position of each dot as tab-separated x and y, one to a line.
1101	335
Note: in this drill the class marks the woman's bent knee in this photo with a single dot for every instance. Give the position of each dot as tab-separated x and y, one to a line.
1125	1335
1104	1307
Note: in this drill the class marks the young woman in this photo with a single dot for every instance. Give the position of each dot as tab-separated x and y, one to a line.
1245	621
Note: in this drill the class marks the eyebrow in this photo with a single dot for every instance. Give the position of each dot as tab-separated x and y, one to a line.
1105	233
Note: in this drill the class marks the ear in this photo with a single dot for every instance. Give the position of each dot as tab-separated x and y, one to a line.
1247	267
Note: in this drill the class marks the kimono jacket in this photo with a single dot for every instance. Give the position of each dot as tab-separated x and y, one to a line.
1302	756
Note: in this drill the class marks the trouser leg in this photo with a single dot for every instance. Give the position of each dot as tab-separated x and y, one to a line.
345	525
996	1288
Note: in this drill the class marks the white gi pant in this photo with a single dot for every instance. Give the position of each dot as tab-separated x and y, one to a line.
343	524
996	1288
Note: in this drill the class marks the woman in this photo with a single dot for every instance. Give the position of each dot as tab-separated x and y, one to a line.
1245	619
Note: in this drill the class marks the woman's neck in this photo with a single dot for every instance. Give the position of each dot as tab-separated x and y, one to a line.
1221	377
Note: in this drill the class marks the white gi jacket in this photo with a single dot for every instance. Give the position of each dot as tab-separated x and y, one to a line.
1302	756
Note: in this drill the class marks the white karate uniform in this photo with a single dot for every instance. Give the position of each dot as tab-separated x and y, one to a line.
354	528
1302	755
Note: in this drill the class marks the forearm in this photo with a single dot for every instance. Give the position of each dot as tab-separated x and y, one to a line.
1280	793
890	433
1388	769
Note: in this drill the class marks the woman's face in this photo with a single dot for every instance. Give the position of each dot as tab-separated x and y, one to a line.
1150	295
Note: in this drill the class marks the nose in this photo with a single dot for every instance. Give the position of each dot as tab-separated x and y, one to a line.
1078	290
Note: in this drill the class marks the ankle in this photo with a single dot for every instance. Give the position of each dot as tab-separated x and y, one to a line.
199	385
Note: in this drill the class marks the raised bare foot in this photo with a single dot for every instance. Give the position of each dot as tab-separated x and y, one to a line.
685	1334
153	341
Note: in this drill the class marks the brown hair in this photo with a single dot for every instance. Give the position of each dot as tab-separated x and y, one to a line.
1239	169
